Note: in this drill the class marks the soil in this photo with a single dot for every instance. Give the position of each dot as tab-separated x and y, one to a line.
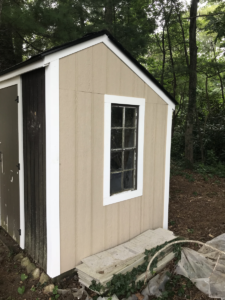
196	212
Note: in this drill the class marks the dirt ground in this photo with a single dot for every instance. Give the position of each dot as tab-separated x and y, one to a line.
197	211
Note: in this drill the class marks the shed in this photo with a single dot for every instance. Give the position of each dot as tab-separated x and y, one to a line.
85	137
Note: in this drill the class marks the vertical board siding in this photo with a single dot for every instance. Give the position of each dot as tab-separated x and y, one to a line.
98	211
83	132
9	174
33	88
86	226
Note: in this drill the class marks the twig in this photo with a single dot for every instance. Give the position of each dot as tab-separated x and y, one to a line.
177	242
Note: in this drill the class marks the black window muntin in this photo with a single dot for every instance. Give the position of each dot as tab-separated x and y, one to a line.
123	165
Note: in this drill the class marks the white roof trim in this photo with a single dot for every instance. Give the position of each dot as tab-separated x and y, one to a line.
73	49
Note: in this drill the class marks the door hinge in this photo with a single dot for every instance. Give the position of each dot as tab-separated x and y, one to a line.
18	166
19	231
17	99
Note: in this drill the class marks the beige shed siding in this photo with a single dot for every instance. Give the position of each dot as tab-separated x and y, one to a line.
86	226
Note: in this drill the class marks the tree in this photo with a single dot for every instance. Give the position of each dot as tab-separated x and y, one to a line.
1	2
192	83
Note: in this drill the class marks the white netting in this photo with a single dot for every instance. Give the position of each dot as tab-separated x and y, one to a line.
206	268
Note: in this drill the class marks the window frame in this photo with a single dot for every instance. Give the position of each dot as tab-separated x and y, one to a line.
125	195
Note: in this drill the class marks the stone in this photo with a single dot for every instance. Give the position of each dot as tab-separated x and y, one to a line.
35	274
18	257
48	289
25	262
30	267
44	278
1	259
64	292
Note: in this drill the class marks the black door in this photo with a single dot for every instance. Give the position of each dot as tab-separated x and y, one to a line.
34	164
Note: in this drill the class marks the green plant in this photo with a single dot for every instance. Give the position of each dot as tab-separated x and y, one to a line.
190	230
172	222
23	277
21	290
177	285
195	193
189	177
55	293
33	289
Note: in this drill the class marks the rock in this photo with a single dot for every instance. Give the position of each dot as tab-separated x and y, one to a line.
30	267
1	259
18	257
25	262
44	278
64	292
48	289
35	274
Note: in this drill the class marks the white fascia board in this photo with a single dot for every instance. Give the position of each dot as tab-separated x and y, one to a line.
136	70
52	168
76	48
22	70
140	102
167	168
17	81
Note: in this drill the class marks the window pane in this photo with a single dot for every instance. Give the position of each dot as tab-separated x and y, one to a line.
115	184
117	116
116	161
128	180
129	138
129	159
116	138
130	117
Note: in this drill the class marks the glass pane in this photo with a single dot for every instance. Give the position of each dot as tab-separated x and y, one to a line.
115	184
129	159
116	138
117	116
129	138
128	180
130	117
116	161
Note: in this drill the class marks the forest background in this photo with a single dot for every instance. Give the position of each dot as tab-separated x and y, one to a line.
181	44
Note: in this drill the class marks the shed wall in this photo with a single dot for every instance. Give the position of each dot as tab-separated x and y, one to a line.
86	226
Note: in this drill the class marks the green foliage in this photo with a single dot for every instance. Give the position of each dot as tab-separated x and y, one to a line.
124	285
23	277
21	290
55	293
177	286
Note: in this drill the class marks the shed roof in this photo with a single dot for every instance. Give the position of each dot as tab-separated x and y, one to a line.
86	38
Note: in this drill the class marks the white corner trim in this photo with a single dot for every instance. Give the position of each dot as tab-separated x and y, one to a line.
167	168
52	168
17	81
109	99
136	70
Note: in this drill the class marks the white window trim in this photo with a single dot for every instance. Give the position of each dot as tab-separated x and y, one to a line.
140	102
17	81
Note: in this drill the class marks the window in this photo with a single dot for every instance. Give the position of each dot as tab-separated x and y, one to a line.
123	148
123	169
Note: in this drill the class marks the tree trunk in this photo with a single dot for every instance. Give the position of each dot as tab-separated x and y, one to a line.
192	84
109	15
1	1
